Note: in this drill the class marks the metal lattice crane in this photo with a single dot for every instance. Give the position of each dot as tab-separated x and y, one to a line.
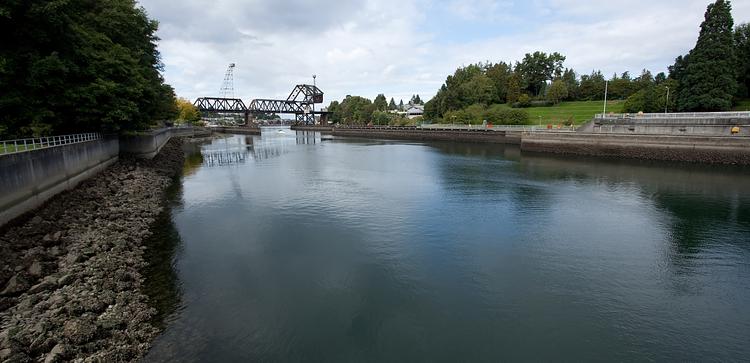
227	87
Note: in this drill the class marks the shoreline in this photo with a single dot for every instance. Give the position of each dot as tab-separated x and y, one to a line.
71	281
725	150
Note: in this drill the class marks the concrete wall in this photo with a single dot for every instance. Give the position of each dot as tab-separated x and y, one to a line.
703	149
28	179
669	126
479	135
148	144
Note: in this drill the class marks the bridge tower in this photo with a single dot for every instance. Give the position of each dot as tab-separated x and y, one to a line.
227	87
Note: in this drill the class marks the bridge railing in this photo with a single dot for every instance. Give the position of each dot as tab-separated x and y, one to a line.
21	145
676	115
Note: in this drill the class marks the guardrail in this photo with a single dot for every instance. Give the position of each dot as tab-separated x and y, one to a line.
21	145
673	115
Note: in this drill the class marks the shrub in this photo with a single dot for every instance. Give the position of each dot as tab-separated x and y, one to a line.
501	115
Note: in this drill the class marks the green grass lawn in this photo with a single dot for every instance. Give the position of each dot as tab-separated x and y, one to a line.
581	111
11	148
743	105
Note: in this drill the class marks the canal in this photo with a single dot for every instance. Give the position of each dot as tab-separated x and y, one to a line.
294	246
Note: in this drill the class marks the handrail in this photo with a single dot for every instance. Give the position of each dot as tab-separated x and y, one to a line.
21	145
677	115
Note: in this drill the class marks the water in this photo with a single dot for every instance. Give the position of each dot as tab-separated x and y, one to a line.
297	247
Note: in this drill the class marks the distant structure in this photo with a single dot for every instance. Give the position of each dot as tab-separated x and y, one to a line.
227	87
414	111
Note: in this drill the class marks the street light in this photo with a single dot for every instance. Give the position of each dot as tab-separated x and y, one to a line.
606	88
666	104
313	101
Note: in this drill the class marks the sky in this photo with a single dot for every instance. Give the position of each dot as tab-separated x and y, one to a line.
406	47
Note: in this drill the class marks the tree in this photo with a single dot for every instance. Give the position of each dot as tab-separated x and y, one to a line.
652	99
499	74
557	92
392	105
592	86
709	80
380	103
514	88
537	68
479	89
186	111
401	105
742	48
571	82
352	110
416	100
77	66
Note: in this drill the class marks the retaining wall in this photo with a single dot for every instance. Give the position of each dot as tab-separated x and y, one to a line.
479	135
671	126
148	144
717	150
28	179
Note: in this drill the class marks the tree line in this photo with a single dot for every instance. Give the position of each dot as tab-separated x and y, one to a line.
713	76
360	110
79	66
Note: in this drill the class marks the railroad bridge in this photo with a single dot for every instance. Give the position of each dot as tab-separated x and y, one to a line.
301	102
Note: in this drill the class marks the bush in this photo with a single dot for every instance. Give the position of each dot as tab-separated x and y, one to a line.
542	103
501	115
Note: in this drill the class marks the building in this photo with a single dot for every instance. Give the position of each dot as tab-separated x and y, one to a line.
414	111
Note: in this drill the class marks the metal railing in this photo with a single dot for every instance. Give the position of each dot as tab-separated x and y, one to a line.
21	145
677	115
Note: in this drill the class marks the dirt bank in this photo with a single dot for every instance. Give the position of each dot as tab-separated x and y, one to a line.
70	274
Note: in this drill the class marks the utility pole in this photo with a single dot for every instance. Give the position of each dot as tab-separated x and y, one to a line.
313	103
606	88
667	103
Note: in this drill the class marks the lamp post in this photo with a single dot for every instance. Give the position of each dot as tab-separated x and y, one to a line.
606	88
666	104
313	101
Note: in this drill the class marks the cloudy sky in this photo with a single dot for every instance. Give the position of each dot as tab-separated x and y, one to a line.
403	47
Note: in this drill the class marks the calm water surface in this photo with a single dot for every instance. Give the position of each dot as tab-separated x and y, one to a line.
293	247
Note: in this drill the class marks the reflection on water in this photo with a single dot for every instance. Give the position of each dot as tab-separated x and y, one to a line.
346	250
161	283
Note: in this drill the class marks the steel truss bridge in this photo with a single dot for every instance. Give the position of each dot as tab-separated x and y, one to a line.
301	102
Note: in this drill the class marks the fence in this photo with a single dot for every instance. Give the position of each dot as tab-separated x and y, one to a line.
20	145
686	115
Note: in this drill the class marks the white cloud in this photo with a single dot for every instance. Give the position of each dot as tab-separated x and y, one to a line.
366	47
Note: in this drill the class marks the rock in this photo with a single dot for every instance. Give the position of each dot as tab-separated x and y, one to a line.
79	331
35	269
56	236
42	286
73	257
55	251
36	220
56	354
16	285
5	354
65	279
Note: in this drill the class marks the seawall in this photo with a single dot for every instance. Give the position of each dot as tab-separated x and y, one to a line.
28	179
687	148
700	149
71	283
406	133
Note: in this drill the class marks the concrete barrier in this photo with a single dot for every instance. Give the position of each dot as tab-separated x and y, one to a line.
463	135
697	126
148	144
702	149
28	179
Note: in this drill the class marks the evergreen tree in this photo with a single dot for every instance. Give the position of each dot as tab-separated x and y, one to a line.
401	105
514	88
380	103
742	46
709	79
417	100
392	105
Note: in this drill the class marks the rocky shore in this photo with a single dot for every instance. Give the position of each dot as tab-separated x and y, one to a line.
70	273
